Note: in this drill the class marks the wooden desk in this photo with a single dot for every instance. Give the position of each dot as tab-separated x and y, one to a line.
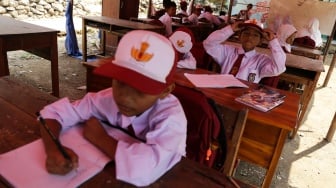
301	76
41	41
307	52
19	127
118	27
201	31
265	133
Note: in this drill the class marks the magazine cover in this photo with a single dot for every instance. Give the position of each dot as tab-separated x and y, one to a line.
262	98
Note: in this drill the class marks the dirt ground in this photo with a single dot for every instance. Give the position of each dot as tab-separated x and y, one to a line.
307	160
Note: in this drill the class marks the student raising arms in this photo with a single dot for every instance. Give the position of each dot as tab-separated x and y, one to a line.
252	66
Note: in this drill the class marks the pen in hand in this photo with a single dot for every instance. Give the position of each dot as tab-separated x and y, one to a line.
53	137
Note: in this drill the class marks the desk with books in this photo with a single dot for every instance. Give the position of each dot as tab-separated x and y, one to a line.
19	126
301	76
265	132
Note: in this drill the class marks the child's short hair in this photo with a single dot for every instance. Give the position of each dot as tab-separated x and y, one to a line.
144	60
254	24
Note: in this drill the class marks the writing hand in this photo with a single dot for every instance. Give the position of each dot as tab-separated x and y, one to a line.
57	164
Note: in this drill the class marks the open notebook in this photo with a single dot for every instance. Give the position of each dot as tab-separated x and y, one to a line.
25	166
214	80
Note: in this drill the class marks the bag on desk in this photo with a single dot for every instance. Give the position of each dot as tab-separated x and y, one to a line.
206	141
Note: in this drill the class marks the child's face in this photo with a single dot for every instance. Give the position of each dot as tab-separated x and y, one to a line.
249	39
171	11
132	102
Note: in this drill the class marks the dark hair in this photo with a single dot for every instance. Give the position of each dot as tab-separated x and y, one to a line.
171	4
165	3
183	5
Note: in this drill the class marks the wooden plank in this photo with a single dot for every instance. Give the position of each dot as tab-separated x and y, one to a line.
17	93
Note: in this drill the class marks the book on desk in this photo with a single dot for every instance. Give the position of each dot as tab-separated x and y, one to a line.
262	98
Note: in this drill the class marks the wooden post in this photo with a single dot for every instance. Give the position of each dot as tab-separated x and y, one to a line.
230	11
330	70
331	130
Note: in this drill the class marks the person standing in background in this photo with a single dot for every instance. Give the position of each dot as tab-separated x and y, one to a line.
245	14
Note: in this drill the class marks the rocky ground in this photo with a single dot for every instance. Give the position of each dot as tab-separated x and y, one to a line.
307	160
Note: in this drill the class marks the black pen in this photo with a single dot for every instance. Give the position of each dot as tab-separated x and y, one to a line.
53	137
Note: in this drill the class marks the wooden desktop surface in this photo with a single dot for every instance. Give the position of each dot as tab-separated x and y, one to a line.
19	126
41	41
265	132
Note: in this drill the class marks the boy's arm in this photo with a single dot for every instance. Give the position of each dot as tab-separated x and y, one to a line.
278	54
95	133
213	44
56	163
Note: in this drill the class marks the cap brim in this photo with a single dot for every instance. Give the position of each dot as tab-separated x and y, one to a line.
131	78
251	25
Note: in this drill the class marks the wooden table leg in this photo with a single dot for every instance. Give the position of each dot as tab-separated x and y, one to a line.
54	66
331	130
275	159
4	70
84	40
330	70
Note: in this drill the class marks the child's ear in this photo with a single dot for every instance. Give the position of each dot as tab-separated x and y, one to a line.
167	91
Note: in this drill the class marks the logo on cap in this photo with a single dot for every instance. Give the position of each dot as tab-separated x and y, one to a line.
180	43
140	54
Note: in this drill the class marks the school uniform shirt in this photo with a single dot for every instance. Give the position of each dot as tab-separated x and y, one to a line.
254	65
188	61
193	18
167	21
163	127
210	17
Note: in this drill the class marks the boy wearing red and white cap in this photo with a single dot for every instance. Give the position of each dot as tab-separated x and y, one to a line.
182	43
139	103
253	66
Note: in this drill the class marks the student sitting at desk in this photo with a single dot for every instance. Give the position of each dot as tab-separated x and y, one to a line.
286	35
166	18
139	103
243	61
310	35
193	18
182	43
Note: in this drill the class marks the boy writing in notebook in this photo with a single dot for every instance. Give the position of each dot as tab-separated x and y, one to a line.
244	61
139	102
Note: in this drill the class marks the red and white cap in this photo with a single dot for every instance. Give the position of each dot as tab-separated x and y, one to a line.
253	23
143	60
181	41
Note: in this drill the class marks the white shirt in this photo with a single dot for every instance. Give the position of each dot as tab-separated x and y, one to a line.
210	17
193	18
188	61
167	21
163	126
261	65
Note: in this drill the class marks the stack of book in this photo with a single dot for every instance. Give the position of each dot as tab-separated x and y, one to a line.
262	98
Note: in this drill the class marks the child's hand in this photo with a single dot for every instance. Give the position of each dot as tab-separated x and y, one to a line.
268	34
94	131
57	164
235	26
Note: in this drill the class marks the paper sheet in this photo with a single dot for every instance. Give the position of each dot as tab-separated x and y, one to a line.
25	166
214	80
